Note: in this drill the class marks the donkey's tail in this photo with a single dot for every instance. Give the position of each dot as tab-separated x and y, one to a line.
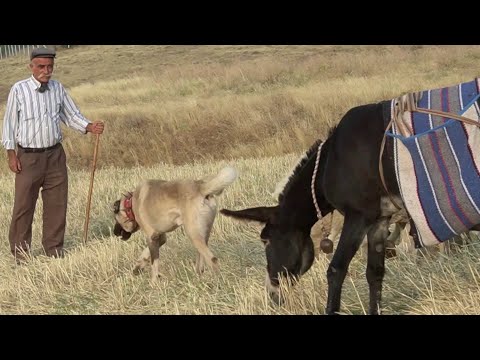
215	184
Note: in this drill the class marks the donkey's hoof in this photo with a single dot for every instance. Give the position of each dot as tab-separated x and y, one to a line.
390	253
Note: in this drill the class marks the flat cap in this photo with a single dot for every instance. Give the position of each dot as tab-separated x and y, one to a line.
42	52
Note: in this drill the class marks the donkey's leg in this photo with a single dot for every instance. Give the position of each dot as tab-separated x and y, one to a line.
354	230
377	236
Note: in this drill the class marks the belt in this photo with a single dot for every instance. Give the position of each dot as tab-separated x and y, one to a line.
39	150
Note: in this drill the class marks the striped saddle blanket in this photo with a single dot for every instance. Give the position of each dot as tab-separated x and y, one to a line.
437	163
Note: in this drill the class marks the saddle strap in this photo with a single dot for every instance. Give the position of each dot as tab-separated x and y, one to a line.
447	115
380	167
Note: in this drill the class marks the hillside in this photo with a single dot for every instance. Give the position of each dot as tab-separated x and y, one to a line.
181	104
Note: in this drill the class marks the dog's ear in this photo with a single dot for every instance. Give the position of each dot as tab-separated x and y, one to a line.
116	207
119	231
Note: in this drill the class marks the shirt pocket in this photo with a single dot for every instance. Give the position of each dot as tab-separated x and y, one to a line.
26	113
55	111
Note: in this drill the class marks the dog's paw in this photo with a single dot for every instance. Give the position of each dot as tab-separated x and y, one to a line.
215	266
156	278
199	270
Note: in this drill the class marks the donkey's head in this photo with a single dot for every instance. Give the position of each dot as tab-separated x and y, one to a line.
289	250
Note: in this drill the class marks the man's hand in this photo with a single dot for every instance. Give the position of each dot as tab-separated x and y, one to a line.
95	127
14	162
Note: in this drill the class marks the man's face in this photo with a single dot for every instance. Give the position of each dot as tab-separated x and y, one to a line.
42	69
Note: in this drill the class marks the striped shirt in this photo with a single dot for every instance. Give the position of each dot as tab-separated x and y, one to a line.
32	119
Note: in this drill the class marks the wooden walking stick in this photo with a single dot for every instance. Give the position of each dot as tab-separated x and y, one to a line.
87	216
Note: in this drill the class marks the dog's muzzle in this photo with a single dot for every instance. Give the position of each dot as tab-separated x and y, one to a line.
119	231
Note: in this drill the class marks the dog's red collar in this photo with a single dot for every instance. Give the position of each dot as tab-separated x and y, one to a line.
127	206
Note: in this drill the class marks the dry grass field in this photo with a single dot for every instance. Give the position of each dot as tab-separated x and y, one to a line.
185	111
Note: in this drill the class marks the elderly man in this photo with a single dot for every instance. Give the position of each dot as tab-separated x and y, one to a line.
32	137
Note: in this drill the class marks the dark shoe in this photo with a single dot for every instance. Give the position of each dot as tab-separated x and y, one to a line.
21	256
58	254
21	260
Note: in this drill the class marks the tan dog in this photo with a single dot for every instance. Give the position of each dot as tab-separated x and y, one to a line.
158	207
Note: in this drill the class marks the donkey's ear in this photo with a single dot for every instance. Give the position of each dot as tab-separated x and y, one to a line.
261	214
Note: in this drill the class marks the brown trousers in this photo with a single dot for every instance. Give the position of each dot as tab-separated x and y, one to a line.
46	170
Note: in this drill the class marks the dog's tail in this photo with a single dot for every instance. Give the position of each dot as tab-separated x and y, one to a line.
215	184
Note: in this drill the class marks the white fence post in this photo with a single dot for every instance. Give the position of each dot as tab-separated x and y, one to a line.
13	50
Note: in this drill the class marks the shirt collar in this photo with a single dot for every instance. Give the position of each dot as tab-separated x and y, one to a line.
36	84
